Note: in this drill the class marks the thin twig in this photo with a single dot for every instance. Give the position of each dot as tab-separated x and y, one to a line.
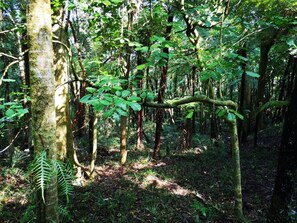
8	30
6	69
11	141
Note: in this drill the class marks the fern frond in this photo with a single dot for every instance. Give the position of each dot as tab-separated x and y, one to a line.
64	178
41	172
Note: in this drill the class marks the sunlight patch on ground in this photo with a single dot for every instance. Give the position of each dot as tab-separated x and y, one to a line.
168	185
196	150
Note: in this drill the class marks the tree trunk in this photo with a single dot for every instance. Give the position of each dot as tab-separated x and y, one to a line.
61	65
94	150
244	99
238	212
140	114
287	165
42	89
161	93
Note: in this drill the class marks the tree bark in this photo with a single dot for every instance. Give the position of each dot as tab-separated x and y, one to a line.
287	165
42	89
161	93
61	65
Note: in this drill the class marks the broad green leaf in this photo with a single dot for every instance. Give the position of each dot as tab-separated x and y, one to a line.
134	98
221	112
231	117
91	89
121	112
85	98
141	67
125	93
190	115
252	74
108	113
240	116
105	102
9	113
135	106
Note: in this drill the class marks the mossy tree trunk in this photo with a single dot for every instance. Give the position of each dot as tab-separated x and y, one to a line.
42	89
61	65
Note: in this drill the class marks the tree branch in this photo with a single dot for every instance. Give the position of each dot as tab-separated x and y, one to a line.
190	99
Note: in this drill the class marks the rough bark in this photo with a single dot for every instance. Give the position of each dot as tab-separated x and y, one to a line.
42	89
287	165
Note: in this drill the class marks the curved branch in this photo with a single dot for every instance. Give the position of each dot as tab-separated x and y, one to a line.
189	99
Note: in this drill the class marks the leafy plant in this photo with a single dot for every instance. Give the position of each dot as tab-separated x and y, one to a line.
43	171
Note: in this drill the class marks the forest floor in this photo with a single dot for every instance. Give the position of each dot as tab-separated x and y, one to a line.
193	185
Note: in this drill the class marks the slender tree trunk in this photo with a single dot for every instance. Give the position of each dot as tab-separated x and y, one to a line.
61	65
140	114
124	119
161	93
244	99
264	50
42	82
236	171
287	166
94	151
80	116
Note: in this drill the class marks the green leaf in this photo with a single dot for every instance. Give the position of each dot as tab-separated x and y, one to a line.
141	67
105	102
221	112
252	74
231	117
121	112
108	113
106	2
135	106
125	93
134	98
190	115
9	113
42	172
240	116
91	89
85	98
291	42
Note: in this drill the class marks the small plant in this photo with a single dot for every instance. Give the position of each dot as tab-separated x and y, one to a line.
43	171
17	157
199	208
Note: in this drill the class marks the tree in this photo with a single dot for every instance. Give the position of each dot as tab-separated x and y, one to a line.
42	82
287	166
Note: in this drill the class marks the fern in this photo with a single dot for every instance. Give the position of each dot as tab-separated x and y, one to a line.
64	178
42	172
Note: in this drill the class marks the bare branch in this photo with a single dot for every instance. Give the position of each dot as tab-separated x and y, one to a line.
8	30
3	150
6	69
